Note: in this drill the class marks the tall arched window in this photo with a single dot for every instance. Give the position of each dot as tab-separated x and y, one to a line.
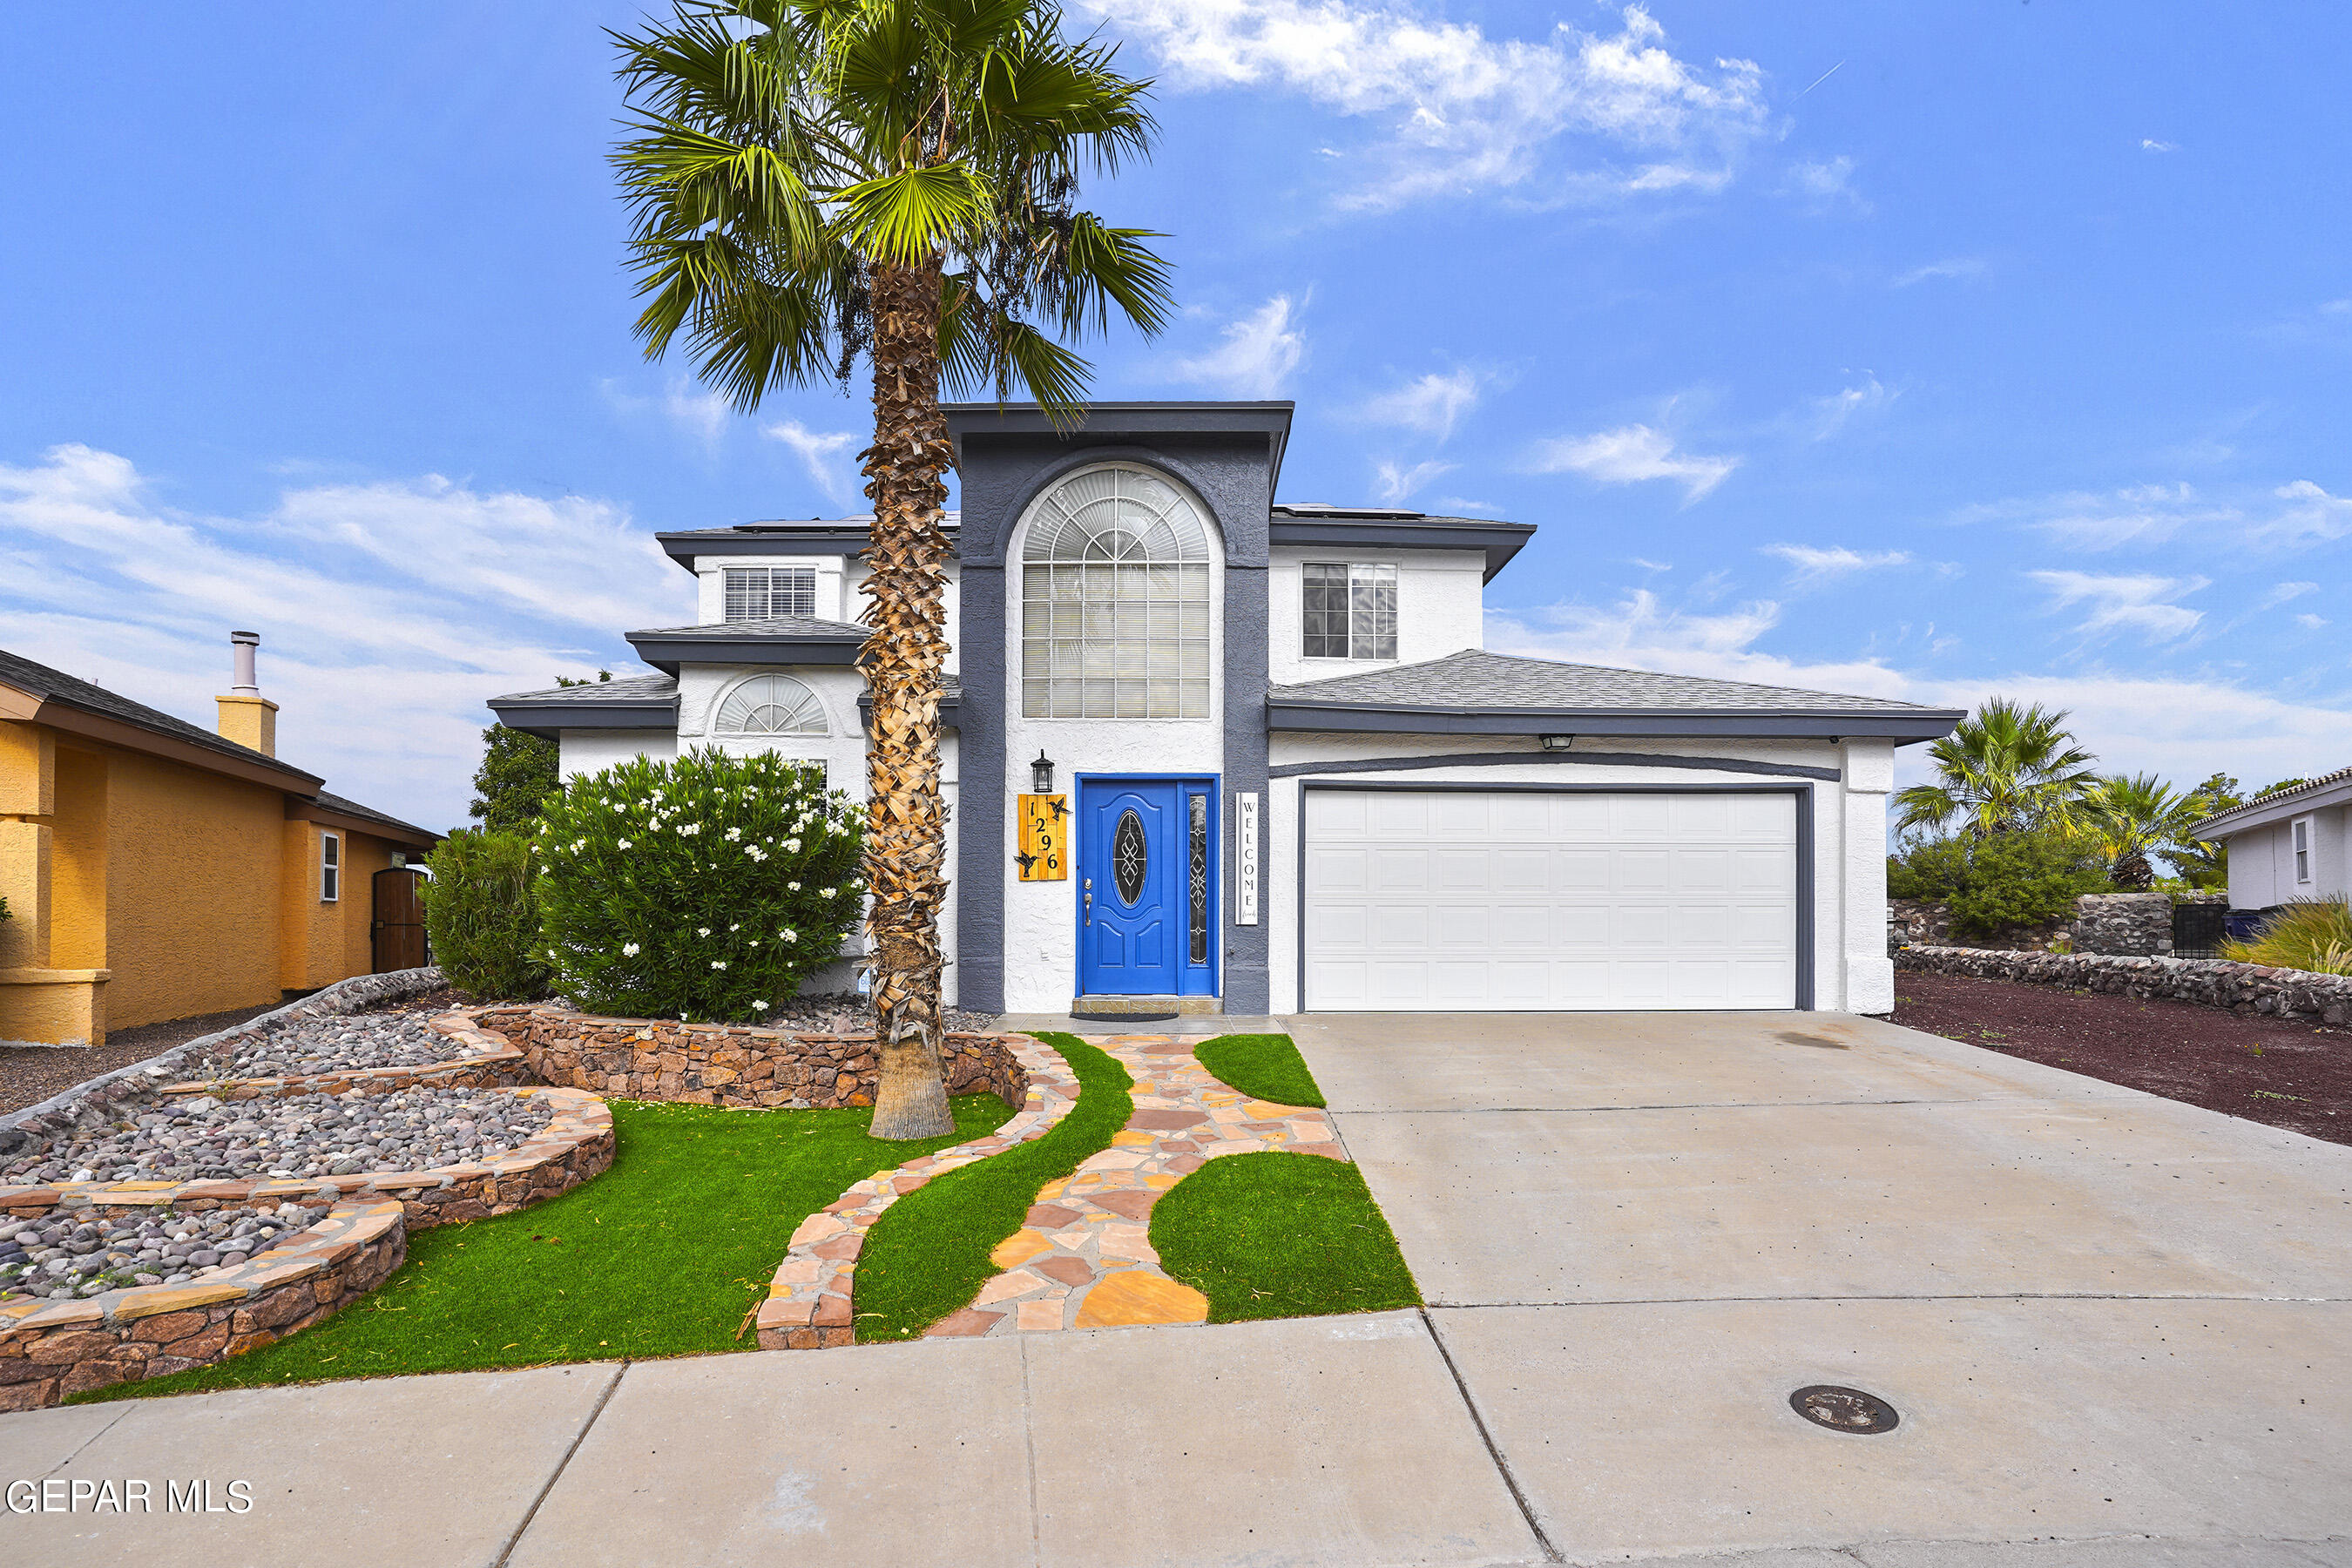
1115	601
771	705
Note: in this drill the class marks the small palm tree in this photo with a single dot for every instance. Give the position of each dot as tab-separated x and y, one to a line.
2003	769
2133	817
812	181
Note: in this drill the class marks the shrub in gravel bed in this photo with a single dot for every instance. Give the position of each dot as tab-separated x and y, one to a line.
482	914
333	1045
205	1139
706	887
68	1253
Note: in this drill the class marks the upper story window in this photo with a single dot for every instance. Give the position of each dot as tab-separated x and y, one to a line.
758	593
1115	601
1347	612
771	705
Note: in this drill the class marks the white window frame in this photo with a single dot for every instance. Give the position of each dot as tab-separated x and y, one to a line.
1372	572
2299	847
331	867
734	578
818	726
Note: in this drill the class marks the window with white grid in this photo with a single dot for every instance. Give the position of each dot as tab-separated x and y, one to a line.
1347	612
760	593
771	705
1115	601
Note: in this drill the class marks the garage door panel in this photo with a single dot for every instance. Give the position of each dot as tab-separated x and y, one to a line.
1469	901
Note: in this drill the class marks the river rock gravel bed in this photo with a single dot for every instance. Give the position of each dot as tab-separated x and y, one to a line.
67	1253
206	1139
356	1041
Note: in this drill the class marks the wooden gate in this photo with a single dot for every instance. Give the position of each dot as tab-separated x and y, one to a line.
397	936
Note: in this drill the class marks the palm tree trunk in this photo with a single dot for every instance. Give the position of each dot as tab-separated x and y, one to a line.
906	832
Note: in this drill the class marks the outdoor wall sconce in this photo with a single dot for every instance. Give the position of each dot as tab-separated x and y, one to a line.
1557	742
1040	773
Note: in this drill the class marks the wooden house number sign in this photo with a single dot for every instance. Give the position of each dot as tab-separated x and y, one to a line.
1045	853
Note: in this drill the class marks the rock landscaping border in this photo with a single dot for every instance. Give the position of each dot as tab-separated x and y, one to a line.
734	1063
107	1097
2132	925
52	1348
479	1060
572	1147
2250	989
808	1304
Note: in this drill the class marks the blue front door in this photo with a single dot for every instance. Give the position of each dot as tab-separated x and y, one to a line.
1146	884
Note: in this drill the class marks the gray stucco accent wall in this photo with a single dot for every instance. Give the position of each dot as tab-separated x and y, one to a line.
999	473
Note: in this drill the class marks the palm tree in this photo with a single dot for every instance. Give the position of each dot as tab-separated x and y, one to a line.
814	179
2004	769
2135	816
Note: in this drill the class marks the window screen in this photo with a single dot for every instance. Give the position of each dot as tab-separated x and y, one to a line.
1115	601
1347	612
759	593
331	867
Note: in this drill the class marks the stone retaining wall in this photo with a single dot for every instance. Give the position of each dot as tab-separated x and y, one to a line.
2137	925
731	1064
478	1059
575	1146
51	1349
111	1097
2251	989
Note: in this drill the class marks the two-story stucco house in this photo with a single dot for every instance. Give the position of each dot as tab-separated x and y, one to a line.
2296	844
1296	781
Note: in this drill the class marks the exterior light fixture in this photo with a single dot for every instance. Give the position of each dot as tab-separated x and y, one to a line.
1556	743
1042	773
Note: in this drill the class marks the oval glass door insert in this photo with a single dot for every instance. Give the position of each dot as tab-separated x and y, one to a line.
1129	858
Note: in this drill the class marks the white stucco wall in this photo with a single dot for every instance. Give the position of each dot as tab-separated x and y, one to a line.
1440	596
840	588
1852	972
593	751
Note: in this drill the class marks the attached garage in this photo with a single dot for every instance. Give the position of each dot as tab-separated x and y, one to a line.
1538	897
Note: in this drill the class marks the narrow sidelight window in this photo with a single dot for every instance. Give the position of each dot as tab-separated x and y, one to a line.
331	867
762	593
1347	612
1196	872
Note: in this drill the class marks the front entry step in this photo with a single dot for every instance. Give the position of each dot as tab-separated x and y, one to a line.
1182	1006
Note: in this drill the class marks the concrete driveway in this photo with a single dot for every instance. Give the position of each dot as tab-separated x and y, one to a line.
2099	1313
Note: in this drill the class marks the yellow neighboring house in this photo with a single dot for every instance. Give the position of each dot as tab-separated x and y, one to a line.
153	870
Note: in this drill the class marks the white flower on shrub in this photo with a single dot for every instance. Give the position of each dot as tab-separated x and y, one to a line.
790	935
791	887
702	930
718	964
759	1006
827	892
733	834
735	928
690	830
628	950
792	846
622	842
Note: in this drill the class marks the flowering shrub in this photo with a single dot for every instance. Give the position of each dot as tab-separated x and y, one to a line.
706	889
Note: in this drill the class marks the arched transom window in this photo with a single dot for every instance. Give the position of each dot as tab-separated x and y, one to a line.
1115	601
771	705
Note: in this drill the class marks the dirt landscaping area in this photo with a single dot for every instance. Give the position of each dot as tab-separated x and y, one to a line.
2290	1074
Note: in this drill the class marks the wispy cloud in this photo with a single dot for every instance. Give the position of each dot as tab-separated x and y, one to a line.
1831	414
823	454
2291	516
1431	404
2150	145
2310	622
1574	114
1810	564
1630	455
1257	355
1954	269
388	611
2137	603
1396	483
2311	516
2286	592
1825	185
705	416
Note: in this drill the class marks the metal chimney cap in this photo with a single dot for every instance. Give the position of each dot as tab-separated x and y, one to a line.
252	637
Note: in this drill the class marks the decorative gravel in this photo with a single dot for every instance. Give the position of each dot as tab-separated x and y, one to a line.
852	1015
205	1139
69	1252
336	1044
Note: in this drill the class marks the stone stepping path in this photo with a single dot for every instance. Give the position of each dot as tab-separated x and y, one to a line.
1084	1260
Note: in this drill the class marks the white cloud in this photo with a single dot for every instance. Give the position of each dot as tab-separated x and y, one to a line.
701	415
1831	413
1257	355
2310	623
1812	564
2285	591
2311	516
1396	483
1460	112
1826	184
388	611
1956	267
1630	453
821	453
1431	404
2149	514
2139	603
2150	145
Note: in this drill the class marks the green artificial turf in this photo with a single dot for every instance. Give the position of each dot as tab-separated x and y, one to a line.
1280	1234
928	1255
664	1254
1263	1067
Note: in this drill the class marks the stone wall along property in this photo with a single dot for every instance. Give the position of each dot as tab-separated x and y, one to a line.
52	1348
2251	989
733	1064
2129	924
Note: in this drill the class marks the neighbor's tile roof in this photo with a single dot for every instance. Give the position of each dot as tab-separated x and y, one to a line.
57	686
2271	808
1475	678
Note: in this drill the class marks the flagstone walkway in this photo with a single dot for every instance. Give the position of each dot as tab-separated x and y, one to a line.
1084	1260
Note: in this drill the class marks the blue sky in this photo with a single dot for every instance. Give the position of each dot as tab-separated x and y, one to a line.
1934	350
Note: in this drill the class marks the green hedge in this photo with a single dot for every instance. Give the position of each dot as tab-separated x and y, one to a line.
482	916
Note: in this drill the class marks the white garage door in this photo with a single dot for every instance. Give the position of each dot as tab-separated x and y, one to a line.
1458	901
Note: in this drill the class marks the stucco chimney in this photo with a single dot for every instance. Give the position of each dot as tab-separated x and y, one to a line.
246	716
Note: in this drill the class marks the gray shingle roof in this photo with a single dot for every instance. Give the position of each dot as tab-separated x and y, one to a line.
630	687
57	686
773	627
353	808
1475	678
